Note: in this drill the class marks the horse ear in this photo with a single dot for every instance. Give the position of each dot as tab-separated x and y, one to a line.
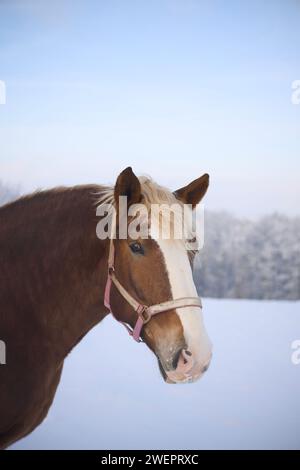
127	184
193	192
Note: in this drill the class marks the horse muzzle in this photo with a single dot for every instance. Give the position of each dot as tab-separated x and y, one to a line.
183	366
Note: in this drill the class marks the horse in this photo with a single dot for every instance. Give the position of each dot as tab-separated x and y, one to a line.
55	286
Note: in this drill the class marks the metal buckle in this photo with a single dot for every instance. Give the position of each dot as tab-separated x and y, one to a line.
111	270
142	313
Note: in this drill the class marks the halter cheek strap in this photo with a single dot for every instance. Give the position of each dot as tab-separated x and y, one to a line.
139	308
144	312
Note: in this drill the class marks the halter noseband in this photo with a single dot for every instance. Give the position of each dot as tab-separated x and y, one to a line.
145	313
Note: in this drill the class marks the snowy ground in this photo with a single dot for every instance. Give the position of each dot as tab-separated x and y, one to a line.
112	395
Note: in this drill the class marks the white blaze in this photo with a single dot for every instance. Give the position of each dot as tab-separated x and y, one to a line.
182	285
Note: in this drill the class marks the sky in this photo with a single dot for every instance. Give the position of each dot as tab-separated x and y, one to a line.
173	88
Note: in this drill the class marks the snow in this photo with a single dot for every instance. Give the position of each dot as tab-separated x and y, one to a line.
112	396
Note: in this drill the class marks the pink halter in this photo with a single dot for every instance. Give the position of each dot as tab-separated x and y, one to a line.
144	312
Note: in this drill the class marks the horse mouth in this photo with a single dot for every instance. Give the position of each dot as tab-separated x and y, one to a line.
169	377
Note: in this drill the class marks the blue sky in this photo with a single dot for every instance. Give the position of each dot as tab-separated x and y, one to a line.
173	88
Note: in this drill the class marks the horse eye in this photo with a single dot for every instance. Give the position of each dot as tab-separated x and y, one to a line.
137	248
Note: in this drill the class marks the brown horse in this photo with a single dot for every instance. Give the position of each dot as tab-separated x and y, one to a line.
53	272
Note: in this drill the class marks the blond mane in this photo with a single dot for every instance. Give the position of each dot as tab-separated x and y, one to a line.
152	192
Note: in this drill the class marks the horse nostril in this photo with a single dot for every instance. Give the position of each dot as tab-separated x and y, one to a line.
205	368
181	353
175	359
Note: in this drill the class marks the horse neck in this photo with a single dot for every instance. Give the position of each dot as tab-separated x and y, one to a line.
82	270
63	265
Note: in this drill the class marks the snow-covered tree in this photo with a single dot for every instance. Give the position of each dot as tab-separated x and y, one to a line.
7	193
250	259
